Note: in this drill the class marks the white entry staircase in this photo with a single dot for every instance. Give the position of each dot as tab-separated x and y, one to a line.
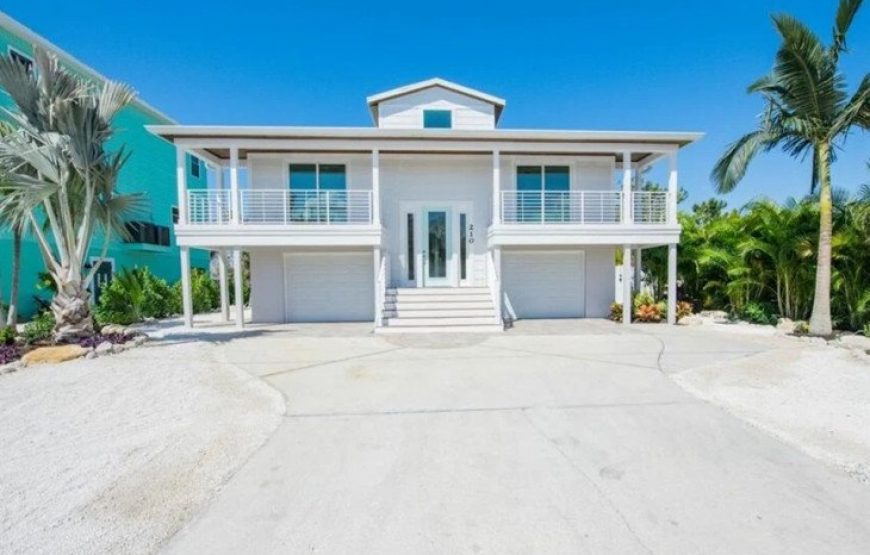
447	309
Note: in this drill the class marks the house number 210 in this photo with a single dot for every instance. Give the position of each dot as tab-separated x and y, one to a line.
470	233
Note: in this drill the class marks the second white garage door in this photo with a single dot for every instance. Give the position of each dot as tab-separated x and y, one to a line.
545	284
333	287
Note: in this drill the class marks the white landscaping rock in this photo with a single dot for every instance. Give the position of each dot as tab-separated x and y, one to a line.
718	316
113	329
103	348
786	325
693	320
857	342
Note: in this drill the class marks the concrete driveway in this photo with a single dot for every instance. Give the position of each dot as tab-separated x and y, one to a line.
556	437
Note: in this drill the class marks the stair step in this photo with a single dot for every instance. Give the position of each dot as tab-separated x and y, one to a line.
405	312
442	321
426	304
413	291
486	328
434	297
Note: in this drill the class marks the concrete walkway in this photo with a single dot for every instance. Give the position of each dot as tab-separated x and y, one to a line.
556	437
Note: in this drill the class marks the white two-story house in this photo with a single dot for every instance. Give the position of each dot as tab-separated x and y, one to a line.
434	218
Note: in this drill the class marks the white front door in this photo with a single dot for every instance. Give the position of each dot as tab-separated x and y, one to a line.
436	243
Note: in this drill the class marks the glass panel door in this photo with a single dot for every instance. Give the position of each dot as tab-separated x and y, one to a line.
437	243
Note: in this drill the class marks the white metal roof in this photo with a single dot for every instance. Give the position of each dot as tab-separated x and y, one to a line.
376	99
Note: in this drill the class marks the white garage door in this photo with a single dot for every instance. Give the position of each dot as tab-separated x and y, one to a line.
334	287
546	284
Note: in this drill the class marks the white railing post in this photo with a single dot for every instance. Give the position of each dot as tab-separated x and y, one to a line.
673	189
181	183
626	187
542	203
235	201
582	207
284	204
328	217
496	186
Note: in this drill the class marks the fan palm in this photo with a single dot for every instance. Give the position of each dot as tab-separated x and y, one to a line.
61	179
807	111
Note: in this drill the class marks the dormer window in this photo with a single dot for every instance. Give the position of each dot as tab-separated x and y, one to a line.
437	119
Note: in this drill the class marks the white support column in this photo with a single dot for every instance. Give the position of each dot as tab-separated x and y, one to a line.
496	187
376	187
379	287
627	304
499	288
237	282
638	269
235	201
626	187
224	285
672	283
673	188
186	297
181	183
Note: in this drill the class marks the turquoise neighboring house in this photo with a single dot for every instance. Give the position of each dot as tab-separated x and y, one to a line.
150	170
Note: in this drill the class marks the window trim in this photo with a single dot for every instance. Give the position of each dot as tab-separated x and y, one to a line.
447	111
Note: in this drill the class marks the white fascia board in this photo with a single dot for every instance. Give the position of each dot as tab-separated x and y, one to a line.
30	36
279	236
230	133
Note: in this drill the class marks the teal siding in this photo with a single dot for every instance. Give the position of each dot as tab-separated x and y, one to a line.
150	170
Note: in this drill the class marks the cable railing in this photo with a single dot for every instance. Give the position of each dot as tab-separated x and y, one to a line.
281	207
561	207
582	207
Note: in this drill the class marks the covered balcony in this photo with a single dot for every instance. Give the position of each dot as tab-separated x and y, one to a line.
280	207
582	207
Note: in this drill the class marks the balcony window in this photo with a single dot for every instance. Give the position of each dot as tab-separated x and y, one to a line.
318	193
543	187
437	119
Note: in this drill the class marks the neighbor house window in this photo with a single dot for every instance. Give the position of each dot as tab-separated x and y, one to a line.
317	193
437	119
147	233
194	166
21	58
173	213
553	181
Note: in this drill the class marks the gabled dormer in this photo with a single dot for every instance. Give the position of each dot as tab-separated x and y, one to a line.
435	104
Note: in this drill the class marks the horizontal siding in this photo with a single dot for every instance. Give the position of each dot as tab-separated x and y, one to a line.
406	112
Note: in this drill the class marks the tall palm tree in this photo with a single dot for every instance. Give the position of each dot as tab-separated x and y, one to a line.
807	110
61	177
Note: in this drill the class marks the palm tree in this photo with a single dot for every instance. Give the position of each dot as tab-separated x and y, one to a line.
807	110
17	227
61	178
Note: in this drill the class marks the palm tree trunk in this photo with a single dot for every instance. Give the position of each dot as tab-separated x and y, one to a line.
72	310
820	320
12	315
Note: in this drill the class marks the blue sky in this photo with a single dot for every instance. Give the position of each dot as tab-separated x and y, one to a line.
629	65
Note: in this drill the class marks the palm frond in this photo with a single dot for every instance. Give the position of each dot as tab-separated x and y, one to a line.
731	168
845	15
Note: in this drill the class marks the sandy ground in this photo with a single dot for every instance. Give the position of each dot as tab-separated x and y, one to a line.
814	397
115	454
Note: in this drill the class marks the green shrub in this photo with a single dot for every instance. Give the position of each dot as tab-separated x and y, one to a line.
643	298
135	294
867	329
684	308
615	312
40	328
8	335
204	290
758	313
